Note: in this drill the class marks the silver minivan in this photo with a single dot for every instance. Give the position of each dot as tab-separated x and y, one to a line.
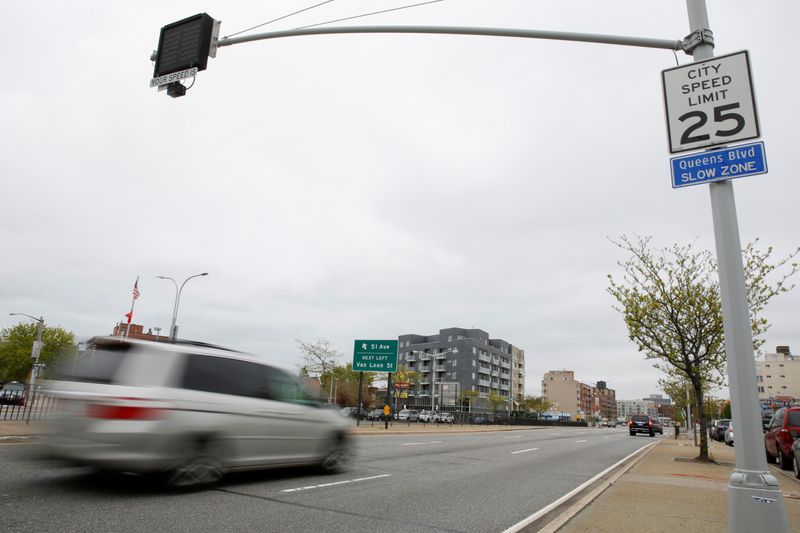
187	412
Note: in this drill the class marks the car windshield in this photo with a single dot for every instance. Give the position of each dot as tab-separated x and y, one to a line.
14	386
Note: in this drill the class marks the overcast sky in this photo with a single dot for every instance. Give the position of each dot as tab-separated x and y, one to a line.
367	186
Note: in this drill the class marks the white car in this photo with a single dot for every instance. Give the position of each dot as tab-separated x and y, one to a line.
425	416
444	418
729	434
188	413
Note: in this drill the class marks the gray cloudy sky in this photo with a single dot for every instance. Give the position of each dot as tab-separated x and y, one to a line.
366	186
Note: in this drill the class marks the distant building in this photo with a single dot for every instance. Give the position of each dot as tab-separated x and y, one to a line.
628	408
458	360
778	375
658	399
578	400
137	332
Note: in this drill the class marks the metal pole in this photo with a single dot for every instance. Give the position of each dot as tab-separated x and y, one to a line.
755	501
360	388
451	30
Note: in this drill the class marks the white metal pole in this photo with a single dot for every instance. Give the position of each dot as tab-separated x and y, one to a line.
755	501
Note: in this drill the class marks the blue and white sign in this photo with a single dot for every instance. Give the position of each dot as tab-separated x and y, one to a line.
719	165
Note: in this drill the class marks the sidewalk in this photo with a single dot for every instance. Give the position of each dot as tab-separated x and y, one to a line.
666	491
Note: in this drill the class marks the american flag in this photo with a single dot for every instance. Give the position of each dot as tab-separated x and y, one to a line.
136	289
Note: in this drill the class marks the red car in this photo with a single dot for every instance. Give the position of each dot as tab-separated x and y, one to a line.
783	429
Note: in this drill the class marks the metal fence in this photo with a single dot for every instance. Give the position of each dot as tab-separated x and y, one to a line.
39	407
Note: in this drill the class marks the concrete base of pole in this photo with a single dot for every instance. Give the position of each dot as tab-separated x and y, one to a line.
755	503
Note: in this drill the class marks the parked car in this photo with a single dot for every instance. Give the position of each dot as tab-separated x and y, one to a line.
658	426
483	419
444	418
728	438
13	393
187	413
408	415
641	424
783	429
375	414
796	457
425	416
718	429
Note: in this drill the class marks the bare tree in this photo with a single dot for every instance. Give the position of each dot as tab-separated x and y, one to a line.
318	357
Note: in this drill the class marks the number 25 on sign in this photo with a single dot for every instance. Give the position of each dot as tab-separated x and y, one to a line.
709	103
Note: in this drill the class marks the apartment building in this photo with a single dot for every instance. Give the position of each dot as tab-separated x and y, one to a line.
628	408
578	400
778	374
457	359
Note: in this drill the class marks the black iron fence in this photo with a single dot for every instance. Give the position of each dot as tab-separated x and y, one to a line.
37	407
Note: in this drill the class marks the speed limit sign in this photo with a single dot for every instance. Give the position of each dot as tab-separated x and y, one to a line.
709	103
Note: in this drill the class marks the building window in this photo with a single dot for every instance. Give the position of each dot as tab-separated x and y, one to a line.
449	338
454	362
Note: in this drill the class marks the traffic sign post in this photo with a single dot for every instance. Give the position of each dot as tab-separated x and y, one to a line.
717	165
710	103
375	356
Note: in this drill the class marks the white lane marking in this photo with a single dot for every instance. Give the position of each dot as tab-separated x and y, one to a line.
555	433
577	441
513	437
544	510
418	443
523	451
336	483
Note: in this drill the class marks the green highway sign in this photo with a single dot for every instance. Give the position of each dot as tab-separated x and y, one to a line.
375	356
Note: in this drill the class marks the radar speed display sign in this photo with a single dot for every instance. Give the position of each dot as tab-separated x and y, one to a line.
709	103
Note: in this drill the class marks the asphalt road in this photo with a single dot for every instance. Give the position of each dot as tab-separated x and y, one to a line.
468	482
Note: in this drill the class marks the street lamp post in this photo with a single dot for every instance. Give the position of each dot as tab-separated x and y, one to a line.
173	332
35	351
433	373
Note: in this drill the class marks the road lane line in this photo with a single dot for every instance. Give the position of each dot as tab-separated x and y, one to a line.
523	451
323	485
577	441
513	437
418	443
544	510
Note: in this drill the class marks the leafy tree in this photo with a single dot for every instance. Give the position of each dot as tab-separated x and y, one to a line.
495	401
318	357
537	404
403	375
16	344
468	397
671	305
346	384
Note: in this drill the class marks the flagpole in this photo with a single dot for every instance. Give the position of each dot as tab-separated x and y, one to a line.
133	302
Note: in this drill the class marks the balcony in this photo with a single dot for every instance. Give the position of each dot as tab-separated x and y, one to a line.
484	358
424	369
484	383
505	375
424	357
411	358
505	365
442	355
504	387
439	368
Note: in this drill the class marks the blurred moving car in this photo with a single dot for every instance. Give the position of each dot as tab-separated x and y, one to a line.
718	429
783	429
352	412
641	424
728	438
187	413
13	393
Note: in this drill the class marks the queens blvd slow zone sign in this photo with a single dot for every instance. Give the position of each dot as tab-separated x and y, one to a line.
710	103
375	356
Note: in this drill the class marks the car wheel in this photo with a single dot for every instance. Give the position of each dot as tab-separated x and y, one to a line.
633	434
652	433
796	466
338	458
786	462
198	464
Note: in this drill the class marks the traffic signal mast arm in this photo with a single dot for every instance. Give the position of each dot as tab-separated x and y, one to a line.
683	45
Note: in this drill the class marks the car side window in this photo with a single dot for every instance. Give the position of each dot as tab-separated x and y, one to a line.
224	376
777	419
284	388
